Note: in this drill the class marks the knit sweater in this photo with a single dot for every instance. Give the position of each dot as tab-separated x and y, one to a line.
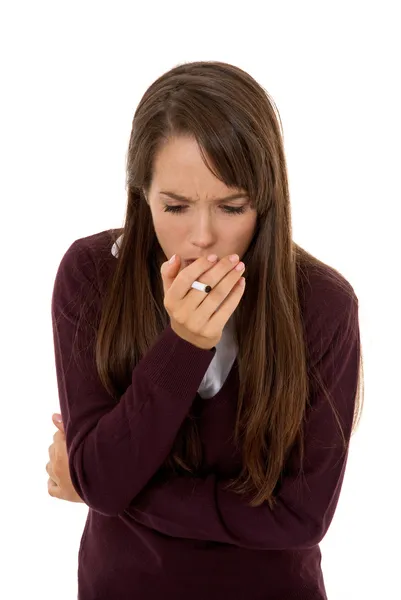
181	536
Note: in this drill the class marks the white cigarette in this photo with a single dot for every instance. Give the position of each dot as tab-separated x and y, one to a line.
202	287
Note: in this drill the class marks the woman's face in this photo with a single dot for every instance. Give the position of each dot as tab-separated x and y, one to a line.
206	222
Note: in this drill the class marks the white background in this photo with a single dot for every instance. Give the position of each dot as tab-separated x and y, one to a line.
72	74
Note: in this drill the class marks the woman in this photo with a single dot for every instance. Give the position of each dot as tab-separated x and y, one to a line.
207	429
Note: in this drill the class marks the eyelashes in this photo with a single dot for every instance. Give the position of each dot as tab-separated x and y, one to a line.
229	210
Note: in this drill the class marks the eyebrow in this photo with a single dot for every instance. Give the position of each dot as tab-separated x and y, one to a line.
185	199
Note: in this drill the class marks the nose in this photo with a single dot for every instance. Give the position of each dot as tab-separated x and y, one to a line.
203	234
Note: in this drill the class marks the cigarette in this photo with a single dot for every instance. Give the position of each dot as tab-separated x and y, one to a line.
202	287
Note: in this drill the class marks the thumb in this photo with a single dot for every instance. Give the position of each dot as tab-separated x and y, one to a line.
58	421
169	271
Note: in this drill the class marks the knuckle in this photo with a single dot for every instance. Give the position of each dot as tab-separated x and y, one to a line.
52	489
57	465
179	318
210	334
196	328
168	306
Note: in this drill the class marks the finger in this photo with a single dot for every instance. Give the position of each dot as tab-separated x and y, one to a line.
50	472
169	272
59	436
225	309
57	420
183	281
53	489
221	278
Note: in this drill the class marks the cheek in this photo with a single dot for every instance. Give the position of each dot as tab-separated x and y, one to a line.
168	234
168	227
246	229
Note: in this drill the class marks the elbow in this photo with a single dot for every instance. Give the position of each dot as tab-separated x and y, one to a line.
300	535
307	528
97	494
311	538
97	501
309	535
100	506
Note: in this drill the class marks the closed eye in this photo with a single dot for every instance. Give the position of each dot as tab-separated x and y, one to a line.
230	210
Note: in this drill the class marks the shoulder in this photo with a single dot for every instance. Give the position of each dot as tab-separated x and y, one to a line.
86	264
329	304
98	246
322	289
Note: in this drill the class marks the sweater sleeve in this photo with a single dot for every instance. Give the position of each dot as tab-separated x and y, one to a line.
115	447
201	509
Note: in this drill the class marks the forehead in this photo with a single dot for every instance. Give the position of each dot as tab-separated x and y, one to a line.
179	168
182	198
180	159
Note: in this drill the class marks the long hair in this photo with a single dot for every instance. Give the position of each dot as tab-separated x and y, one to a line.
238	129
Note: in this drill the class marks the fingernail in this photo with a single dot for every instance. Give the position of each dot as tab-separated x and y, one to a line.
58	418
172	259
212	258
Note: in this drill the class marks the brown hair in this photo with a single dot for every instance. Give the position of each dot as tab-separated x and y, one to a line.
236	125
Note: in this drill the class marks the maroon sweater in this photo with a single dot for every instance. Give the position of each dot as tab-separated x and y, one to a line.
180	537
